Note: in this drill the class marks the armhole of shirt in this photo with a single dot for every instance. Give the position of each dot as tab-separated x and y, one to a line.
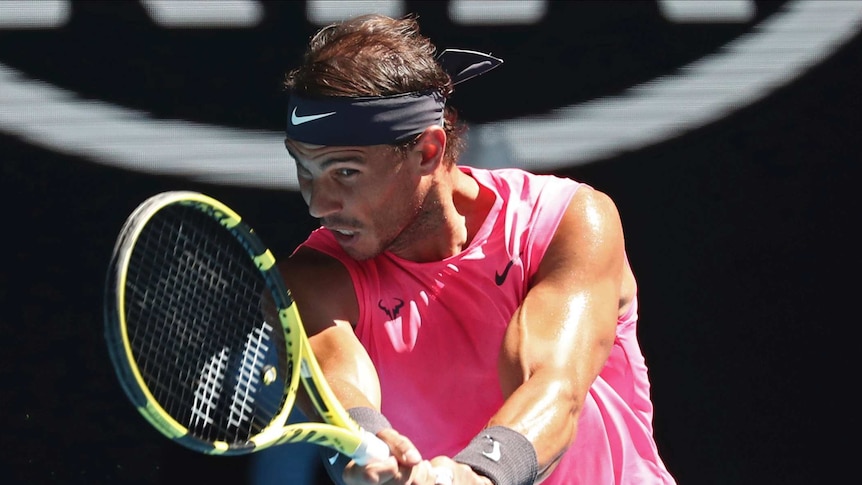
325	245
545	222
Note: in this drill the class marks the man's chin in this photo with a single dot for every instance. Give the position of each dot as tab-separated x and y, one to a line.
357	253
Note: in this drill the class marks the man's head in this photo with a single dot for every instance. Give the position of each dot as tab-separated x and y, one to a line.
369	68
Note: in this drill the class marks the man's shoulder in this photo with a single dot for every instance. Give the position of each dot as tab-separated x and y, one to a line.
315	274
520	181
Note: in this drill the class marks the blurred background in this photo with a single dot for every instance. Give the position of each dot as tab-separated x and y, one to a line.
727	132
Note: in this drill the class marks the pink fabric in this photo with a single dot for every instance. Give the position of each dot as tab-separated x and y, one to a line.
434	330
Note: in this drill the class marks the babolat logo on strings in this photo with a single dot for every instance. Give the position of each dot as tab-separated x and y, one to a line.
244	370
705	61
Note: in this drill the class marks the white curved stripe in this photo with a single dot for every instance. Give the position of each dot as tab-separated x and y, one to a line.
789	42
686	11
58	120
747	69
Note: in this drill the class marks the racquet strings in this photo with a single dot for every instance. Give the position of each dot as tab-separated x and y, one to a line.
209	353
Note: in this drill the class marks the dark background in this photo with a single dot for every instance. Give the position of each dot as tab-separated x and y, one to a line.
741	234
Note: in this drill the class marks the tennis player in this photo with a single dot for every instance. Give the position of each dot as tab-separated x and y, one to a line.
481	322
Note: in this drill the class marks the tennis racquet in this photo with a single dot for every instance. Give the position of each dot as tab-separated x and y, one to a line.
206	339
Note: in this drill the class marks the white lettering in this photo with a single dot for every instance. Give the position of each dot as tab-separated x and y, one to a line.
204	13
243	14
495	12
323	12
27	14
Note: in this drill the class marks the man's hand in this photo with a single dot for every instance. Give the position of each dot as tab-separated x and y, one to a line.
404	466
460	474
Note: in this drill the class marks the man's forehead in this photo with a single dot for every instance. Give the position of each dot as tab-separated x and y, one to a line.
320	153
300	146
310	150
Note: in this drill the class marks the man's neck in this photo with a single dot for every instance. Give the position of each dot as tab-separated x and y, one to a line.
453	212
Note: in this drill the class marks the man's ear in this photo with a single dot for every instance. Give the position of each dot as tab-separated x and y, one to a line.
431	145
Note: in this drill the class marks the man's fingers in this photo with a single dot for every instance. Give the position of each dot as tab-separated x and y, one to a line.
401	447
373	473
443	476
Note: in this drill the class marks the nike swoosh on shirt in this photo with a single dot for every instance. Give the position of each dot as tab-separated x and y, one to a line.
296	119
500	278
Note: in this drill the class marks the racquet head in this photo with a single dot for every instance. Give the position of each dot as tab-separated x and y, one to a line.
205	338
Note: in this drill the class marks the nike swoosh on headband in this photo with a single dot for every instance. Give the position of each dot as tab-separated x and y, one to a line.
298	119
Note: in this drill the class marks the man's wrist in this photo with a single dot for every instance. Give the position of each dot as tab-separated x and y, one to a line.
369	419
503	455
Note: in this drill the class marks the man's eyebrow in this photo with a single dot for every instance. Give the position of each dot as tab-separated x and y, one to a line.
341	159
329	161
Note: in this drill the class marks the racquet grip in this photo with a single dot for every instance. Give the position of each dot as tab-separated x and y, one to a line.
370	449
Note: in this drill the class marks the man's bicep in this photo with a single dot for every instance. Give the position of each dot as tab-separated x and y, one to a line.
567	321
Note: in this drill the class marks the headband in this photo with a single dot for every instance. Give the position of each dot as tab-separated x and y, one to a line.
379	120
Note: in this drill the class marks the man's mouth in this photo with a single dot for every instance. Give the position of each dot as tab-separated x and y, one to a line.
344	232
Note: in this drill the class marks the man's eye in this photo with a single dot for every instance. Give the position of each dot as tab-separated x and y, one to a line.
346	172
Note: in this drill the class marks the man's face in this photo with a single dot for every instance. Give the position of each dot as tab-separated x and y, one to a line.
365	195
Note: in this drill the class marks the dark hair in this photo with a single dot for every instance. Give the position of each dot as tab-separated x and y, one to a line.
374	55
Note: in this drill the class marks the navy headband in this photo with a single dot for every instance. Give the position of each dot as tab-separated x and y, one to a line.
379	120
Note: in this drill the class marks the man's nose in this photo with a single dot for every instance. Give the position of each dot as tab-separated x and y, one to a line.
322	200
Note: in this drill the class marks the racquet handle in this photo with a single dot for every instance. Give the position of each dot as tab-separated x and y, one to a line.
371	449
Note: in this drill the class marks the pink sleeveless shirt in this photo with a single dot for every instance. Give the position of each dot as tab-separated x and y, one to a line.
434	331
